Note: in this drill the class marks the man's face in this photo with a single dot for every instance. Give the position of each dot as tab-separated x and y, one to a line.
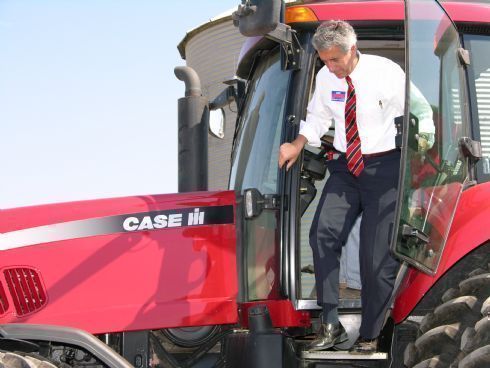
337	61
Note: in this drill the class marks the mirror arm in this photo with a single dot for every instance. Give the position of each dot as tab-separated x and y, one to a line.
281	34
291	48
255	202
227	96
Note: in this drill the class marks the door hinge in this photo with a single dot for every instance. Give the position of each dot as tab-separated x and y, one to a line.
409	231
470	148
464	56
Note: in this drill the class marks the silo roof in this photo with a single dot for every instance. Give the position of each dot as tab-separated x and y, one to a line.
220	18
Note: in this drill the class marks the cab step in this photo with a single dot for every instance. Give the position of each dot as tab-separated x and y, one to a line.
342	355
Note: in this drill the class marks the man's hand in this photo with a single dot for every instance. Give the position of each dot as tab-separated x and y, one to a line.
423	143
289	152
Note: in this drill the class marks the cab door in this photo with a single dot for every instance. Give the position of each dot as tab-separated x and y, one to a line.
434	175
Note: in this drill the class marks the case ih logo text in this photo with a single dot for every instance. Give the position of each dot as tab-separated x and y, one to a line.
161	221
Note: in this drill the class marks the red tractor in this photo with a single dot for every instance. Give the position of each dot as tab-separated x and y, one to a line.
202	279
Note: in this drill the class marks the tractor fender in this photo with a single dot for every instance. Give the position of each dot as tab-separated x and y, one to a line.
470	229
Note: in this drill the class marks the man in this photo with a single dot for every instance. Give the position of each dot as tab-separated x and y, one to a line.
361	94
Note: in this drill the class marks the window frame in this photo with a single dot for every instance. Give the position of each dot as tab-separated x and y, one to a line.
467	39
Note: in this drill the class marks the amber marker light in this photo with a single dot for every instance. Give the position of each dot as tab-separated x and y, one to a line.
297	14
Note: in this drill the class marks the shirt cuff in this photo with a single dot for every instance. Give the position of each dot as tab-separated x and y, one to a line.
310	134
427	126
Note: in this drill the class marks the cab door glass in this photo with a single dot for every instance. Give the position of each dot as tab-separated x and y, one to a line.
434	173
479	78
255	165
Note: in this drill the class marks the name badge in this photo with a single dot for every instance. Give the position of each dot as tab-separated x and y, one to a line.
338	96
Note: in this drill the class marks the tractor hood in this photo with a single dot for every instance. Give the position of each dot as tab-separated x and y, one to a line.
133	263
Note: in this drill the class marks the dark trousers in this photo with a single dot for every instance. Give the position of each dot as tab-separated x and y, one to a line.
344	197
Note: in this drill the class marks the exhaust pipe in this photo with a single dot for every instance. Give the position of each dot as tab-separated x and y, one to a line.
193	120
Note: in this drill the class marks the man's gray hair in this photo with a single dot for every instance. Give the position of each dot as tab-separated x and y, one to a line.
334	33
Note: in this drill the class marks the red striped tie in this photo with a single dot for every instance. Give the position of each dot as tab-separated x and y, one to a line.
353	153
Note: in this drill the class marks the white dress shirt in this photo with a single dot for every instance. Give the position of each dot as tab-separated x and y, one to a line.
380	97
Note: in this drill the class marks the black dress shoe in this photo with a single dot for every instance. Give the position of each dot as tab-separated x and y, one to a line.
329	335
364	346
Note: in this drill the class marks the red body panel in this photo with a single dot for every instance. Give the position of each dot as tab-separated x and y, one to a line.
167	277
470	229
352	11
468	12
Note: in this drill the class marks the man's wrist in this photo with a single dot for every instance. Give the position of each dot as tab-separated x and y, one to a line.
429	139
300	142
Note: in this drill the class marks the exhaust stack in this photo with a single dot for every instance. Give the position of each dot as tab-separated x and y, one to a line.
193	117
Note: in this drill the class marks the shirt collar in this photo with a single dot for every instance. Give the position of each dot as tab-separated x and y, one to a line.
357	69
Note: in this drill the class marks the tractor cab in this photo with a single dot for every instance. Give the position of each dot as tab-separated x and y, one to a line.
278	69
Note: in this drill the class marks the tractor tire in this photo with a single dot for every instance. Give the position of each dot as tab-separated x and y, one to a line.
457	333
19	360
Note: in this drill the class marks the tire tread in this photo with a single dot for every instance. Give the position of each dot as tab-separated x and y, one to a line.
454	334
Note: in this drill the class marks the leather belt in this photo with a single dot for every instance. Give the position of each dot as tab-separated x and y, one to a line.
379	154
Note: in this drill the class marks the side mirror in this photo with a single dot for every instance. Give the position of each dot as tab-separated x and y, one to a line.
217	123
217	114
257	17
255	202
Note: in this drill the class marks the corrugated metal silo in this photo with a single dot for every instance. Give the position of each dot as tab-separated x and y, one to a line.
212	50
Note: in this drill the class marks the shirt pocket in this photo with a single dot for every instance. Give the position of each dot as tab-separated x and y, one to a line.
370	107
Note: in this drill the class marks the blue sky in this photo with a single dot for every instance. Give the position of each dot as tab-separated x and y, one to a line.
88	98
